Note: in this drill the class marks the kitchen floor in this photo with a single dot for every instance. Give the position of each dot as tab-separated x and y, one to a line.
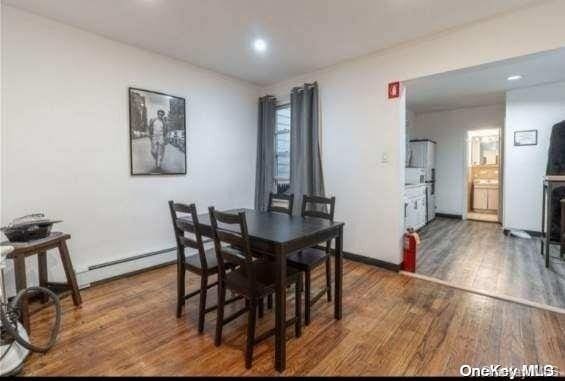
478	255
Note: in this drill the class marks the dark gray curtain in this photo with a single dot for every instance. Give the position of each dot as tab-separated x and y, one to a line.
306	175
265	172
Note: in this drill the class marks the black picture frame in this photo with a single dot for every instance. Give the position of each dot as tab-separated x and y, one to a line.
157	154
519	143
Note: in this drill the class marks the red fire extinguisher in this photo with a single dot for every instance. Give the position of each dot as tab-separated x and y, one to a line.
411	240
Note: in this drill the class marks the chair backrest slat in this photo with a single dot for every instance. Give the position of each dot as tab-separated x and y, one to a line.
187	242
191	226
318	214
276	199
320	207
232	256
186	226
230	238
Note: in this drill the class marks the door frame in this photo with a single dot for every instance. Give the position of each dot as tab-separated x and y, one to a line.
466	154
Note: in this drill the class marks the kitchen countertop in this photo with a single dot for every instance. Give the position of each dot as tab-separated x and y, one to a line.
485	183
485	186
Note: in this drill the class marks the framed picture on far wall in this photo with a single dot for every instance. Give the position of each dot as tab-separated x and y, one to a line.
526	138
157	126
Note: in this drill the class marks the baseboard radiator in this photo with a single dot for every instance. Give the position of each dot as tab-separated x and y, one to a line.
128	266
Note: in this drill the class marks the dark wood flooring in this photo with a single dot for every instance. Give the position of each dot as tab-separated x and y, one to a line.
392	325
478	255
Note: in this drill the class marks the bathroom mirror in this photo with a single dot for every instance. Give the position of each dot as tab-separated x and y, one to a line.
485	150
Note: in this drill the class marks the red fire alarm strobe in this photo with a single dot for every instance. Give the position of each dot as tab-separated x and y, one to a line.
393	90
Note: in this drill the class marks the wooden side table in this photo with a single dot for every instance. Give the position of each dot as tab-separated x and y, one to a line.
56	240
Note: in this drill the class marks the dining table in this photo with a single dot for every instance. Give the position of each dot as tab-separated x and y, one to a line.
278	235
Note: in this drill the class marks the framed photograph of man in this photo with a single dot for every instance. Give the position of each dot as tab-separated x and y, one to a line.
157	124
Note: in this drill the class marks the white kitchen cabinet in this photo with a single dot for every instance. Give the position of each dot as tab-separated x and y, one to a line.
415	206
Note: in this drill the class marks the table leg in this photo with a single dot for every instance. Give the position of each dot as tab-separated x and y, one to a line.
69	272
338	274
21	283
42	273
549	213
280	312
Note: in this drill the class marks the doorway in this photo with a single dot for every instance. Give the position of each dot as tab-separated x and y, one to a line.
475	117
483	180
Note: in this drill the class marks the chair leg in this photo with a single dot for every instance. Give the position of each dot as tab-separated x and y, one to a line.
270	301
250	333
202	307
298	307
307	298
261	308
181	274
220	312
329	278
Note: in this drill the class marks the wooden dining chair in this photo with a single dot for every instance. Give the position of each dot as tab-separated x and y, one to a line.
253	279
278	201
203	263
307	260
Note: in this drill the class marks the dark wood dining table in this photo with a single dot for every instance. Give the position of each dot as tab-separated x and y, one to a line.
278	235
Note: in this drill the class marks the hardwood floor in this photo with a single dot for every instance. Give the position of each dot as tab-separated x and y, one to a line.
478	255
392	325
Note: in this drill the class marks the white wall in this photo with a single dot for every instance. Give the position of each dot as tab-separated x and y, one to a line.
66	139
360	124
449	130
1	107
534	108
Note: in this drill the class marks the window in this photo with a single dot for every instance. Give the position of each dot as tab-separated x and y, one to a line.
282	147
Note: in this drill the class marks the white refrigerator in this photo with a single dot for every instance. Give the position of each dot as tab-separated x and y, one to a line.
422	154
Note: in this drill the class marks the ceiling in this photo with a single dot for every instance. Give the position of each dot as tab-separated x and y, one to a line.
483	85
302	35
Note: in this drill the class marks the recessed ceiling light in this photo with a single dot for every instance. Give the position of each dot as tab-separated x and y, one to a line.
259	45
515	77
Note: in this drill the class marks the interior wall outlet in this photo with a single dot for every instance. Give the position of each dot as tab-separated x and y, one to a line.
384	158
